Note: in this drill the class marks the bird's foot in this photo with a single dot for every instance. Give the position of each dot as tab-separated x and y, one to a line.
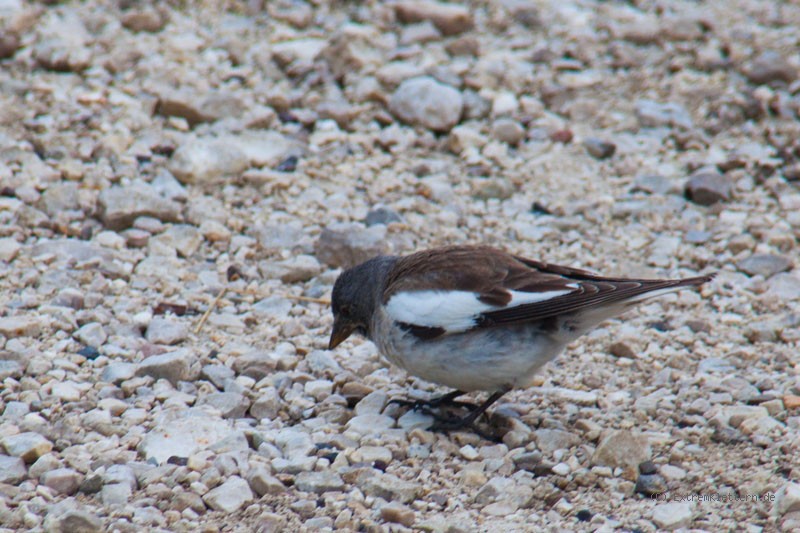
448	400
446	424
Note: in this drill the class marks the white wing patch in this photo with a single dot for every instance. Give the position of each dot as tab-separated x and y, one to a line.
453	311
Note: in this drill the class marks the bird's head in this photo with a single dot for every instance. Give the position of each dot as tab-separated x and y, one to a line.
355	294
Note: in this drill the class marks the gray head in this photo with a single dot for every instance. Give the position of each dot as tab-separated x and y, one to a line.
355	294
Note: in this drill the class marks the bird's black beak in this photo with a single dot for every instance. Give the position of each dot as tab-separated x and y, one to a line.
341	330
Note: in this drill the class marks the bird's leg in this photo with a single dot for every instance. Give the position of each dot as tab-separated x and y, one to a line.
446	424
433	403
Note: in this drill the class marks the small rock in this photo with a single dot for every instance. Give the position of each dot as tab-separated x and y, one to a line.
599	149
67	391
62	480
766	265
318	482
398	514
162	330
448	18
144	19
787	500
652	184
12	470
650	484
790	401
671	472
784	286
707	188
262	482
116	493
382	215
91	334
388	487
9	248
219	375
561	469
9	44
346	245
120	206
655	115
230	496
770	67
43	464
230	404
266	405
319	389
173	366
508	131
117	372
73	521
550	440
20	326
622	349
673	515
372	454
622	449
183	238
296	269
370	423
426	102
28	446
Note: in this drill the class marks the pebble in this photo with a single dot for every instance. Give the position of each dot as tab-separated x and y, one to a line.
262	482
708	188
9	248
388	487
347	244
550	440
115	494
296	269
599	149
382	215
92	334
370	423
12	470
426	102
769	67
449	18
787	499
229	497
75	520
656	115
163	330
229	404
146	19
673	515
20	326
622	449
67	391
173	367
398	514
28	446
120	206
62	480
318	482
508	131
766	265
183	433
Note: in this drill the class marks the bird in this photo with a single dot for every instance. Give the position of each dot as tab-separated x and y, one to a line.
476	318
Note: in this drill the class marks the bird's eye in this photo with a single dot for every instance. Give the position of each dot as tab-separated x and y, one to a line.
344	310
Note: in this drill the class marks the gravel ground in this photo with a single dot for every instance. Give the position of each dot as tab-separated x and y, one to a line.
162	160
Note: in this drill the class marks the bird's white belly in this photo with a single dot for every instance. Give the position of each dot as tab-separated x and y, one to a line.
488	359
